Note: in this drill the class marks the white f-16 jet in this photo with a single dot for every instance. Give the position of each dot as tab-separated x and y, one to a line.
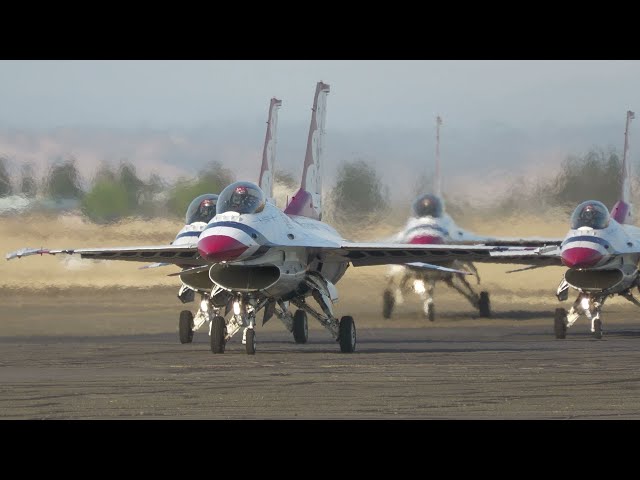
263	258
431	225
601	252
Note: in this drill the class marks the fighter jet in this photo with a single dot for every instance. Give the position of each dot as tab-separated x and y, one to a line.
264	258
430	224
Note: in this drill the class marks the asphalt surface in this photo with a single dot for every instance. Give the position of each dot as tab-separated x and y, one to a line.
76	355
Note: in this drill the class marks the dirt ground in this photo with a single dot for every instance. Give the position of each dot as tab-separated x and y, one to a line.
84	339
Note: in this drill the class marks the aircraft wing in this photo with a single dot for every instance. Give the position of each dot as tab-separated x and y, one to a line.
512	241
430	266
364	254
186	255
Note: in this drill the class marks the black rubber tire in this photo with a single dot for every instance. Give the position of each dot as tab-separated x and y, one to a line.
300	327
484	305
251	341
347	334
431	316
560	323
185	326
218	332
597	329
388	302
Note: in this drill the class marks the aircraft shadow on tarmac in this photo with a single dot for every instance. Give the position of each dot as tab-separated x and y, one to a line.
516	315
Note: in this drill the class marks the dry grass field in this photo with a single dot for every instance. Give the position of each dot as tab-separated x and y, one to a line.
64	271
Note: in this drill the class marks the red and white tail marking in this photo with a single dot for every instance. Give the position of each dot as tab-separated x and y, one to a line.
269	152
308	200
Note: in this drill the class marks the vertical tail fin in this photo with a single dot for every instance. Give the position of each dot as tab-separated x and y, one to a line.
437	181
308	199
621	211
269	152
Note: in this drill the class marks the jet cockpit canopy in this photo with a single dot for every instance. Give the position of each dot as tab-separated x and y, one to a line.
201	209
427	205
591	214
241	197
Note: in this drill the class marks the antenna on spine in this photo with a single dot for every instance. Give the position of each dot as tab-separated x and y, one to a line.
438	179
626	170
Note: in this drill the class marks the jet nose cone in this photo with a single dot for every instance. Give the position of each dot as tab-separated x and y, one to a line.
579	257
220	248
426	240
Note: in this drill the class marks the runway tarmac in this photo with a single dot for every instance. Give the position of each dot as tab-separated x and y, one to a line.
115	354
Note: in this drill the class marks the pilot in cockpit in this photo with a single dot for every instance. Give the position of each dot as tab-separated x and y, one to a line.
592	214
427	205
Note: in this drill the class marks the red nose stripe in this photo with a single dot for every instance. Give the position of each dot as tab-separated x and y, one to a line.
220	248
580	257
426	240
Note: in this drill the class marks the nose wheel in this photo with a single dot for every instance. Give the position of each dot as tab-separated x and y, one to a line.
250	341
218	333
597	329
429	309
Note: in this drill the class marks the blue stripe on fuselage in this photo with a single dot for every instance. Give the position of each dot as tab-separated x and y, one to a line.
252	232
188	234
586	238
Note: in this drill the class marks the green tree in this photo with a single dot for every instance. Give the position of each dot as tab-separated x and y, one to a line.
114	195
131	183
106	202
212	179
596	175
5	179
359	195
63	180
28	185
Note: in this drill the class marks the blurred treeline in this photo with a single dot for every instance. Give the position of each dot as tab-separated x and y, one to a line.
114	192
359	196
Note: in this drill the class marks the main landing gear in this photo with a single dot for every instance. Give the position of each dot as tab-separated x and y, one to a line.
210	306
343	330
588	305
393	295
244	317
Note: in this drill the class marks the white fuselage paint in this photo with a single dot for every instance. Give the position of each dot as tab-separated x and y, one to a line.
443	227
275	239
617	243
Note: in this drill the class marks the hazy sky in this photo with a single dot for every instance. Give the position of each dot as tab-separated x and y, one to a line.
393	93
500	117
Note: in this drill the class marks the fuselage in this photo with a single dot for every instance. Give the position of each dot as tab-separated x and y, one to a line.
602	260
268	251
432	231
189	233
